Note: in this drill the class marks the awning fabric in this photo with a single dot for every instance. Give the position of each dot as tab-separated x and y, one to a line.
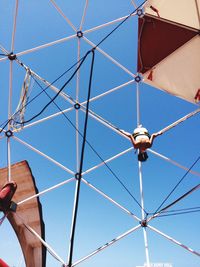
169	45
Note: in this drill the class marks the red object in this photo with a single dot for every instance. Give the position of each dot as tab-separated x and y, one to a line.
6	195
150	76
158	39
3	264
155	10
197	96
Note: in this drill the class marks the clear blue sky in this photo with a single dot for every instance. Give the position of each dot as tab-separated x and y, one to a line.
99	221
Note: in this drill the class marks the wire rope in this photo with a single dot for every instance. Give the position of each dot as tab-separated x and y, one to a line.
78	184
121	23
176	210
175	187
178	213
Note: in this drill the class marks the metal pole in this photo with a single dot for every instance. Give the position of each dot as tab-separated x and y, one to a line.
143	215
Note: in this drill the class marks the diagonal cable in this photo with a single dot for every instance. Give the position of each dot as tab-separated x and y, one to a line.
121	23
78	184
181	180
180	198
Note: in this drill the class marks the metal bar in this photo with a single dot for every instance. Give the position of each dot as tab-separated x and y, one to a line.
143	214
169	127
63	15
133	3
146	246
173	162
48	117
44	155
14	26
141	190
46	191
175	241
49	248
111	200
77	110
106	24
83	16
109	57
104	122
110	91
9	116
138	103
9	178
108	160
107	245
45	45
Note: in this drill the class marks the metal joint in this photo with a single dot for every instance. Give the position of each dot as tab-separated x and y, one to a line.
78	176
138	79
143	223
140	12
77	106
12	56
9	133
79	34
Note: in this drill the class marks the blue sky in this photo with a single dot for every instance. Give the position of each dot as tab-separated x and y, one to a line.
99	221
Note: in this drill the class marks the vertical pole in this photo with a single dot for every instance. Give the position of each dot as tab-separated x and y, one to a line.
138	102
78	178
77	110
10	93
141	190
141	181
143	215
146	247
8	128
8	159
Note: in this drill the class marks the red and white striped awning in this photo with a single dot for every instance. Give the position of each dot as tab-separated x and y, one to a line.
169	47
